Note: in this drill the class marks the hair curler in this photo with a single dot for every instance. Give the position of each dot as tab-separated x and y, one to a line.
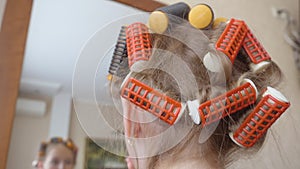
159	19
255	51
232	38
268	110
218	21
214	61
138	43
201	16
119	53
228	103
180	9
152	101
42	149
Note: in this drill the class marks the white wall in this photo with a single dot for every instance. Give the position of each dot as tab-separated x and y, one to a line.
58	30
79	137
88	121
27	133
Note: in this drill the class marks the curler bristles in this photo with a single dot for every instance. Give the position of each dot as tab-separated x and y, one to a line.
119	53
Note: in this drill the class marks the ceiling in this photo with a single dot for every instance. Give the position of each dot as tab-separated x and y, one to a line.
57	34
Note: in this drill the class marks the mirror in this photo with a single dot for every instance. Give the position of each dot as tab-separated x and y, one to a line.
58	31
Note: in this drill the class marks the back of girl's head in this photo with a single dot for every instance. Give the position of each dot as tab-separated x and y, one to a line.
176	69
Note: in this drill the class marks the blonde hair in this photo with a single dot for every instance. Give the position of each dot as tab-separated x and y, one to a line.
176	69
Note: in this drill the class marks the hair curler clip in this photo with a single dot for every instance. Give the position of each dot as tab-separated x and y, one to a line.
232	38
267	111
212	63
201	16
159	20
138	43
255	51
42	149
228	103
193	110
68	143
119	53
152	101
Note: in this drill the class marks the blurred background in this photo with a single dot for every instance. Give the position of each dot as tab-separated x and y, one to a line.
58	30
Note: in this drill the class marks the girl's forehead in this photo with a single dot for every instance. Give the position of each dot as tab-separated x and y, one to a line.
59	150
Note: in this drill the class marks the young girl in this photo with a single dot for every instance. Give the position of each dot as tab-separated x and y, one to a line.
188	101
56	154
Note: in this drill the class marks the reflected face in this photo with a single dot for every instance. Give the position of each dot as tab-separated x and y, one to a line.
58	157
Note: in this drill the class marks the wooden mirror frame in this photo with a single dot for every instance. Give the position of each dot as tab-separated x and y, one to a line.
145	5
13	35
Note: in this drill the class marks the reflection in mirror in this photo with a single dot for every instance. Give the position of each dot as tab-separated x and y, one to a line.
58	30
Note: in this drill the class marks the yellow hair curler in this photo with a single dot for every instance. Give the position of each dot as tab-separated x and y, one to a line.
201	16
159	19
218	21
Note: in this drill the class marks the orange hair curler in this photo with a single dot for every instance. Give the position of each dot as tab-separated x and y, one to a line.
267	111
256	52
138	43
228	103
231	40
254	49
152	101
